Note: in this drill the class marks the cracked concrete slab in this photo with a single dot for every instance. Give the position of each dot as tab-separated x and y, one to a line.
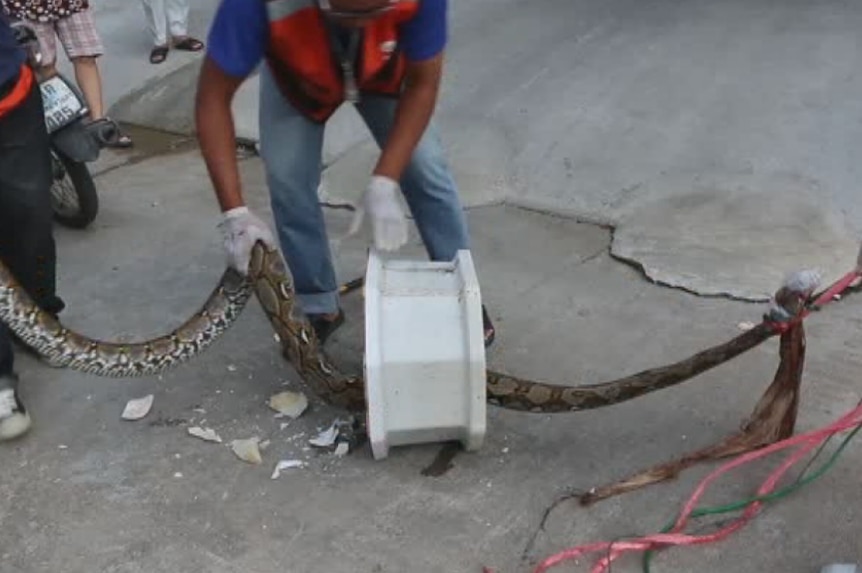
87	491
736	242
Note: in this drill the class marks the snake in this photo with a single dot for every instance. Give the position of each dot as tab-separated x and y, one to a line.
269	280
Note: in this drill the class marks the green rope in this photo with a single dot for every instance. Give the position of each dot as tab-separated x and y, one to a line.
778	494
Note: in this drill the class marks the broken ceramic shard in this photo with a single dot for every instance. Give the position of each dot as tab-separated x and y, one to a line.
285	465
326	438
206	434
340	437
290	404
137	409
247	450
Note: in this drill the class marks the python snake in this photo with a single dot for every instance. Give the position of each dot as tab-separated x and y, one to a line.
270	280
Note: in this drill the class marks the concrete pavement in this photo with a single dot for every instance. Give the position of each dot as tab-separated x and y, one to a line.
614	111
87	491
716	139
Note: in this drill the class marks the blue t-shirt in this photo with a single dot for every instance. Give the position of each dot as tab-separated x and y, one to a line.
11	55
239	33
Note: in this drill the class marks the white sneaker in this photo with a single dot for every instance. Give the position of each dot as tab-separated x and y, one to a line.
14	419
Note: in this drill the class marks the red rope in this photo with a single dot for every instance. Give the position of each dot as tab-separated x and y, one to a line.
805	442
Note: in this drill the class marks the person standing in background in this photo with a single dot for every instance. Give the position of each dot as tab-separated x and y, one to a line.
72	22
169	16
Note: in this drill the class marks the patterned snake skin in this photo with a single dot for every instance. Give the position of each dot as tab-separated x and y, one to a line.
272	284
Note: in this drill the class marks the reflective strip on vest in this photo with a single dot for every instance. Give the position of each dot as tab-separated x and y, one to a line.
19	93
300	56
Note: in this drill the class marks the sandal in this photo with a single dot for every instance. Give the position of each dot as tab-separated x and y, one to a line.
323	327
490	331
189	44
107	133
159	54
118	139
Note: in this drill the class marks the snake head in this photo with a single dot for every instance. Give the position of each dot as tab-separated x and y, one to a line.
794	294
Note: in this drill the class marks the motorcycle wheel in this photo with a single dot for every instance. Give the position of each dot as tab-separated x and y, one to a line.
73	192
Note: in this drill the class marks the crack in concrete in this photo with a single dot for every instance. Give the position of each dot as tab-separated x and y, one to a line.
632	263
162	143
526	554
642	272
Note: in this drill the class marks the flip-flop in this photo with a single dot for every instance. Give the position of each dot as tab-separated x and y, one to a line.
107	134
189	44
159	54
119	140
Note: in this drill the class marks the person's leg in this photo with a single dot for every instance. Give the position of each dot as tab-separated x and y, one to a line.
178	21
83	46
155	13
290	146
26	235
429	190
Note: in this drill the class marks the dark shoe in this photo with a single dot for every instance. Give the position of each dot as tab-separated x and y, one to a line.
113	137
490	331
189	44
158	54
323	327
14	419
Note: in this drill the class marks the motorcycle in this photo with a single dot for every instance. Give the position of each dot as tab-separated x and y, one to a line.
74	142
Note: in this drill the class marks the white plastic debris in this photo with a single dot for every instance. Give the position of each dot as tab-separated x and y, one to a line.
231	368
178	474
138	408
206	434
326	438
286	465
288	404
342	449
247	450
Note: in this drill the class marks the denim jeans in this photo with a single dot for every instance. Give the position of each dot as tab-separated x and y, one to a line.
291	147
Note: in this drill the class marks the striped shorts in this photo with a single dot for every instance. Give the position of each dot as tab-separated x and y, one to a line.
77	33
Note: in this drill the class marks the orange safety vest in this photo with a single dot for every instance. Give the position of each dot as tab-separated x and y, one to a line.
19	92
308	71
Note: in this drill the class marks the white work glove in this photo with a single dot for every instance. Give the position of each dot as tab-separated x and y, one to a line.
388	223
241	229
